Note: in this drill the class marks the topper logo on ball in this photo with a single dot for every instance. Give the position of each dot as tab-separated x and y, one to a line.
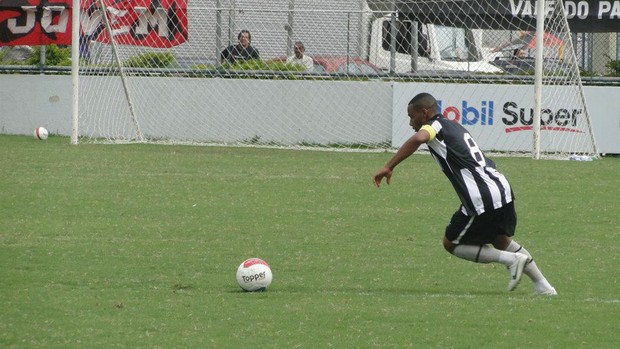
254	274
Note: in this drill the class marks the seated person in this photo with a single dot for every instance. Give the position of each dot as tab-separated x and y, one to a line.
518	54
243	51
300	58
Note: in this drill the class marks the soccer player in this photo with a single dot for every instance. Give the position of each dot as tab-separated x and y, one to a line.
481	229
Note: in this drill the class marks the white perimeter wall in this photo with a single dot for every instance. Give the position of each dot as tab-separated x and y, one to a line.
29	101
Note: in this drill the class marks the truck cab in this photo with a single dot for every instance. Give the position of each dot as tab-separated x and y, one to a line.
438	48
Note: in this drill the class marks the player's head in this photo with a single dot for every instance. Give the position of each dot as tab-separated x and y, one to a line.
421	108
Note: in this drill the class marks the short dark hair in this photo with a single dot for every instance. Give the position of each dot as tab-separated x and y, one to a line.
244	31
423	100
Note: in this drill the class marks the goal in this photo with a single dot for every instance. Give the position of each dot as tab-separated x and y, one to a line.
153	72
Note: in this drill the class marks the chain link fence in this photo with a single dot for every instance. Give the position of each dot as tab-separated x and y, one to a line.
327	28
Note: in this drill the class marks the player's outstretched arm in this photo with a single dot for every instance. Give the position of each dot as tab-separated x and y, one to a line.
408	148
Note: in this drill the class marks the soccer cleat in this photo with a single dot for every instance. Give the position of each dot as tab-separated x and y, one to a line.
516	270
548	292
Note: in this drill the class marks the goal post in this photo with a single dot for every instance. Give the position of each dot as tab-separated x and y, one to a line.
75	72
153	72
556	23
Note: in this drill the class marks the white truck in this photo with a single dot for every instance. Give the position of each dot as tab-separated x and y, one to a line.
439	48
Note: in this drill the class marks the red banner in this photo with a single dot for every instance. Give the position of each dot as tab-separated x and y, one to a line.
35	22
153	23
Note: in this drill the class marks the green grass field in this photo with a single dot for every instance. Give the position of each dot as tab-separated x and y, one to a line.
136	246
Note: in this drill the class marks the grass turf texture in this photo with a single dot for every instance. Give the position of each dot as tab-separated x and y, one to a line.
135	246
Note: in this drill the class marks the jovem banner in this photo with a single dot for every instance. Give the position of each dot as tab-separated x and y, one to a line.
153	23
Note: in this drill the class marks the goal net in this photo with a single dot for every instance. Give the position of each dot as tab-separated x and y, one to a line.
175	71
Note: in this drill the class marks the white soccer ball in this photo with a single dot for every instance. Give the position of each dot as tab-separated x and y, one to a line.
40	133
254	274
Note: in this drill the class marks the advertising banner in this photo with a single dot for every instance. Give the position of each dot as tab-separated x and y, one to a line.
583	15
500	117
35	22
152	23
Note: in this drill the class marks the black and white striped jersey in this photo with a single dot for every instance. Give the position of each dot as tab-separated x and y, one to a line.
478	184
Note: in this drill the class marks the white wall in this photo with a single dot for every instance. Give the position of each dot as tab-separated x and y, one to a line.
30	101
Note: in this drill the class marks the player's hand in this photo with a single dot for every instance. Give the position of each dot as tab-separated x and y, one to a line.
382	173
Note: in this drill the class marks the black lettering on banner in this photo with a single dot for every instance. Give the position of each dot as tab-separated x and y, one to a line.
574	116
562	117
509	112
543	114
522	117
